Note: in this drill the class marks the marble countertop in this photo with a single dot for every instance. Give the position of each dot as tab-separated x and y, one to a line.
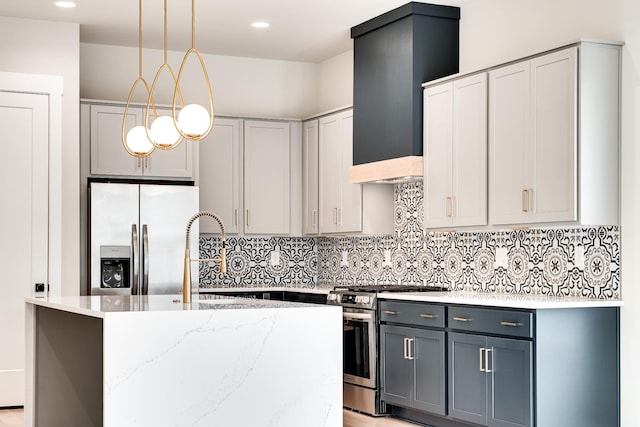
533	302
324	290
100	306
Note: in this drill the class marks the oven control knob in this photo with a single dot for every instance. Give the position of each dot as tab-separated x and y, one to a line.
366	299
358	299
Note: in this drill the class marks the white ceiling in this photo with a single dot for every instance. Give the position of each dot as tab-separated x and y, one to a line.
301	30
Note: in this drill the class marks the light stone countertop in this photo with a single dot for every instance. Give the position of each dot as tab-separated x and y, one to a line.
319	290
532	302
100	306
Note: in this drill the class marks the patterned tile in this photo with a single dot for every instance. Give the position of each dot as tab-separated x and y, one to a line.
571	261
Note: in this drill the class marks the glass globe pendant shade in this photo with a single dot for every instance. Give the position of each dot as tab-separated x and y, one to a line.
193	121
163	132
137	141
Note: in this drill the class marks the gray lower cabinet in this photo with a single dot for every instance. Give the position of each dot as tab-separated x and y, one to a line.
450	365
413	368
490	380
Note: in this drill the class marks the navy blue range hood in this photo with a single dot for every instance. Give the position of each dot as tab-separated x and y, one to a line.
394	54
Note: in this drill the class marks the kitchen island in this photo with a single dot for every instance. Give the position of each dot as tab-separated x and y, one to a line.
154	361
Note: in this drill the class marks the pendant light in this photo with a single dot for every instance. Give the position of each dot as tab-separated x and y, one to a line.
162	133
193	121
136	141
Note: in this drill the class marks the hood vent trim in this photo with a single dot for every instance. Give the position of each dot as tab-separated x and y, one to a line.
391	171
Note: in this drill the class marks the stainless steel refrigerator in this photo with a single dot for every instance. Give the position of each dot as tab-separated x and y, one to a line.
137	237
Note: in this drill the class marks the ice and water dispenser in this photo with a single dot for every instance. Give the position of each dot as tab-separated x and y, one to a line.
115	267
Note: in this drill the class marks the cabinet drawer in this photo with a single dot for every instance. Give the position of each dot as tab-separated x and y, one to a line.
491	321
412	313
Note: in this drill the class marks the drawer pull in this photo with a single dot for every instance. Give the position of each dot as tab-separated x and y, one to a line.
429	316
393	313
511	324
462	319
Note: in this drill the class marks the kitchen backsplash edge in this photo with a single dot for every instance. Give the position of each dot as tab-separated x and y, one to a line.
558	261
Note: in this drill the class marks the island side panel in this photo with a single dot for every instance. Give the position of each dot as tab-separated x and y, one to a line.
68	369
275	366
578	367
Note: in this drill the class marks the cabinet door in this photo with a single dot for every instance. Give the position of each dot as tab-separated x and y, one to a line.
469	153
511	397
108	156
220	175
266	177
396	374
438	156
428	351
310	177
554	139
509	121
467	383
350	213
330	163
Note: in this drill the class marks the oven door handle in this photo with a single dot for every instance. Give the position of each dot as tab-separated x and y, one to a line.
357	316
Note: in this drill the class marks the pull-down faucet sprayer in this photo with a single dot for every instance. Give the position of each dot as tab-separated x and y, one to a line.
186	284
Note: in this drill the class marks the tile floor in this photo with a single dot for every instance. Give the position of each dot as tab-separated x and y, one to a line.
14	418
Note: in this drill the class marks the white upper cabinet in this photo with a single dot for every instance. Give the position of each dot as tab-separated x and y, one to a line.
267	181
220	175
554	137
331	204
533	140
310	182
455	152
108	156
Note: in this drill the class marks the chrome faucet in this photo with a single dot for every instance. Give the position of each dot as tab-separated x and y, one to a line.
186	284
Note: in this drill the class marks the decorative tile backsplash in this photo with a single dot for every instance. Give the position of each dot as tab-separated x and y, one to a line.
571	261
260	262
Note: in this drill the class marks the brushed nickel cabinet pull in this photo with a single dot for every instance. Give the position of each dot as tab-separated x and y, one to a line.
235	217
448	207
314	215
487	352
247	219
511	324
393	313
462	319
481	354
410	355
406	342
525	207
339	216
429	316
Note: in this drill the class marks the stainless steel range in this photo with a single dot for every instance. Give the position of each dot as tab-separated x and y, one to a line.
360	342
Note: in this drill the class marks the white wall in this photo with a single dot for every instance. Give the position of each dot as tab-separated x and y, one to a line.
240	86
492	32
39	47
335	82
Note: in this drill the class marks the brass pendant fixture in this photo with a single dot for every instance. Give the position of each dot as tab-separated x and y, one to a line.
136	141
162	133
193	121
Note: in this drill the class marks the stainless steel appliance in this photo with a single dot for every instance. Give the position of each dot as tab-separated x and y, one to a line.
137	237
360	342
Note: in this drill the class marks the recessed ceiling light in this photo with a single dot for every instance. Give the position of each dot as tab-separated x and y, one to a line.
65	4
260	24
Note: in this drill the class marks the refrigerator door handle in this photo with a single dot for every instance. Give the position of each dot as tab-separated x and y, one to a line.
145	260
135	259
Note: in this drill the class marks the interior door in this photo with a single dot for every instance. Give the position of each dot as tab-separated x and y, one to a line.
24	120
